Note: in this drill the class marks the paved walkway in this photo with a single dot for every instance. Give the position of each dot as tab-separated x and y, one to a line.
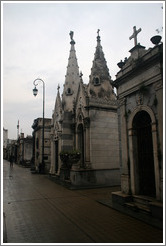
38	210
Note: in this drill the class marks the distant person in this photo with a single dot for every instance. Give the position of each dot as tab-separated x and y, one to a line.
11	159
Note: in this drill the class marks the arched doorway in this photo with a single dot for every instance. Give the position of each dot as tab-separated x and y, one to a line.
81	142
145	175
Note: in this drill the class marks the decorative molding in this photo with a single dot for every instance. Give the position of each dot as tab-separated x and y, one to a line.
86	122
158	85
121	102
59	134
140	108
139	98
103	101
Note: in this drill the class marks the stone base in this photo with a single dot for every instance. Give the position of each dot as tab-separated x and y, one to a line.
156	209
125	183
120	198
94	178
64	174
145	210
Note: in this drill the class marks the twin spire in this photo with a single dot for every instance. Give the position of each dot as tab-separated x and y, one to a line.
73	77
72	34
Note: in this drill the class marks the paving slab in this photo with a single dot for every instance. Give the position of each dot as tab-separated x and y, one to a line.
37	210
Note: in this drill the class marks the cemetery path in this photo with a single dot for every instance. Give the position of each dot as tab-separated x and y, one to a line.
38	210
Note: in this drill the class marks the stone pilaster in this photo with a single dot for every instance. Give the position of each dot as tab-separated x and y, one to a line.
87	141
125	176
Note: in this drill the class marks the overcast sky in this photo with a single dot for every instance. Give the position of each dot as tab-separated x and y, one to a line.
36	43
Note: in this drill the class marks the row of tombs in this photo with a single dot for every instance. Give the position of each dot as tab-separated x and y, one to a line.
98	137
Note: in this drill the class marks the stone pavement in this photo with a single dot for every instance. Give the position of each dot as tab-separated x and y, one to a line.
38	210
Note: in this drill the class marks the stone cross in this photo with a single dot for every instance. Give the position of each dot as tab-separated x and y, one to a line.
98	31
134	35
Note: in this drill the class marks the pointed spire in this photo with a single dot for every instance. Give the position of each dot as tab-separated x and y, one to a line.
72	79
58	99
100	79
99	67
58	103
58	95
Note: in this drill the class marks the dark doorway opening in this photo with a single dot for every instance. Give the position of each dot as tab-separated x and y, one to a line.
81	142
145	161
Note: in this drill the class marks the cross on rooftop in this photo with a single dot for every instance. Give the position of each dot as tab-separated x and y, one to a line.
98	31
134	35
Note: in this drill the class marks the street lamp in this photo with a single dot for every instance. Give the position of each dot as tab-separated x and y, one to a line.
35	91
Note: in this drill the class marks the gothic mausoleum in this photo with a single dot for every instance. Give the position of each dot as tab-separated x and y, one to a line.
101	138
85	122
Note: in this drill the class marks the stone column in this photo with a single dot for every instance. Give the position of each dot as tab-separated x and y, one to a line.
159	99
52	170
125	176
133	179
59	135
87	141
156	161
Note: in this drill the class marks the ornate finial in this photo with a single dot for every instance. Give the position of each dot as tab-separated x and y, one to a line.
134	35
71	36
58	87
98	37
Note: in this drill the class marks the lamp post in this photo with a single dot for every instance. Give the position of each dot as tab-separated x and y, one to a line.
35	91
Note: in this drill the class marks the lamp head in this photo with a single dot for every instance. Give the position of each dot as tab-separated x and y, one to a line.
35	91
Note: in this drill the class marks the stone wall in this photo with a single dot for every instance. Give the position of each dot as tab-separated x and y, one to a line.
104	145
95	178
67	134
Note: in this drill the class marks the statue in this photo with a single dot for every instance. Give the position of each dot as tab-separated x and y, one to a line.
71	35
98	31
